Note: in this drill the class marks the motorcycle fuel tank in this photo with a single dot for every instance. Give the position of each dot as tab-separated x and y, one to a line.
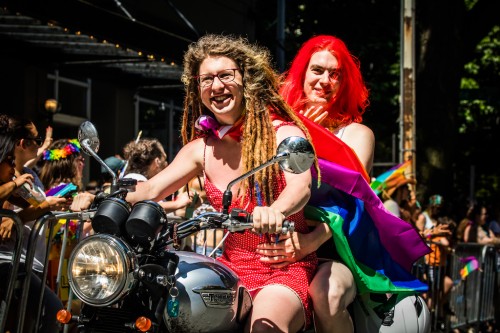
210	297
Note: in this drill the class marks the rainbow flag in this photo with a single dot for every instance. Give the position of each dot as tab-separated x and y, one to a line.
470	264
389	178
378	247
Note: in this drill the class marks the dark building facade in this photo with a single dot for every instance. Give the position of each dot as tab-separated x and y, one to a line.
117	64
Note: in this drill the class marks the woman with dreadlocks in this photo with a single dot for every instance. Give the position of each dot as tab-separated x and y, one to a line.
234	118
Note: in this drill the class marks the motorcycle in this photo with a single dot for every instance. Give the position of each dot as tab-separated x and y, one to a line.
130	276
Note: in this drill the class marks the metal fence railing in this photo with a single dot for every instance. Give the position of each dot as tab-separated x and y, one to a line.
20	275
473	298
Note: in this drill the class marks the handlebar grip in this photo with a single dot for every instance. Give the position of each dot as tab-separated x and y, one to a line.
244	217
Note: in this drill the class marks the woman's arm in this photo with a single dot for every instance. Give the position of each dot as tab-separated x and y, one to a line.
298	186
466	233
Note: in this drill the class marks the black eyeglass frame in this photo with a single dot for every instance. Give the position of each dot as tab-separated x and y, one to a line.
38	140
197	77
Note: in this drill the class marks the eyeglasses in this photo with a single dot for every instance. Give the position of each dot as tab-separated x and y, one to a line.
38	140
227	75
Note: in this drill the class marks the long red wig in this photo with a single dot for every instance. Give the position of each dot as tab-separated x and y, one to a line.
351	100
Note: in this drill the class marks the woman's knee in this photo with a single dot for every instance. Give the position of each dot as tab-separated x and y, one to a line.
338	281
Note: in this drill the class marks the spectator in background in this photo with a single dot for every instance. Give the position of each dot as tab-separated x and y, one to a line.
20	138
43	143
115	163
63	163
477	232
398	200
27	144
492	221
427	221
439	280
7	163
146	158
464	222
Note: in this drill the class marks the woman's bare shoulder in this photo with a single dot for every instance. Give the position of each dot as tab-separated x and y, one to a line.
359	129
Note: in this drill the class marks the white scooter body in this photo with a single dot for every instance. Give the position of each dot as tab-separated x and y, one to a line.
411	315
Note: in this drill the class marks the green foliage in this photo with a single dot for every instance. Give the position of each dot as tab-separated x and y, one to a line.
479	114
478	110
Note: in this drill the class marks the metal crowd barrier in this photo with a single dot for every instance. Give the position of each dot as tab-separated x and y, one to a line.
210	243
16	258
472	299
82	217
24	277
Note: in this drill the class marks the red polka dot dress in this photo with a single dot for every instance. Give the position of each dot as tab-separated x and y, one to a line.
241	256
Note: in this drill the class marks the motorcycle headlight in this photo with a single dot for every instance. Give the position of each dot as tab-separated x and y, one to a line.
100	269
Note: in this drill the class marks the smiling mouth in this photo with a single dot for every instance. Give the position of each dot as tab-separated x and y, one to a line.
323	93
221	98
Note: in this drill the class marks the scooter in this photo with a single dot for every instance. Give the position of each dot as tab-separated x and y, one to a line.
130	277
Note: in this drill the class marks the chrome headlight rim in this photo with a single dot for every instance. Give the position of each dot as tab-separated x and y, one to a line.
126	256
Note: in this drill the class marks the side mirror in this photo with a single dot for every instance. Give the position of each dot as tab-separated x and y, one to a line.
300	154
294	154
88	137
89	141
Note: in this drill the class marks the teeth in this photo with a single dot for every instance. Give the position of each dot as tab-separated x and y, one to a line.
220	98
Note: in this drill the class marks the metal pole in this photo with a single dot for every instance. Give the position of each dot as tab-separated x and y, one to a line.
280	36
407	84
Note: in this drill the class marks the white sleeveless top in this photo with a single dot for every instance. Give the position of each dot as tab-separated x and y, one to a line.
340	132
428	221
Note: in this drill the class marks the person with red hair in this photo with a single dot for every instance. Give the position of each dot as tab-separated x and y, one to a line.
325	85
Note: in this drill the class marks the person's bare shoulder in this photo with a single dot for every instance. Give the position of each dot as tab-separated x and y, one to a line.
359	130
194	150
362	140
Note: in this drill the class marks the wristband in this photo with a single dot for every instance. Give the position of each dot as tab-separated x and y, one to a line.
15	184
428	236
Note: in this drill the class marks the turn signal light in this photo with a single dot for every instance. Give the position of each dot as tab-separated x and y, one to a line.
143	324
63	316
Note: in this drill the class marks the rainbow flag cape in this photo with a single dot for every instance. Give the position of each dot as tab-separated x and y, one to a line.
470	264
389	178
378	247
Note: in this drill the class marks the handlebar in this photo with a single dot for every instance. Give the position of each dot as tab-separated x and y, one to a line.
237	221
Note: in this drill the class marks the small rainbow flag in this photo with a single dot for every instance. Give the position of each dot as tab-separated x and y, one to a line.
471	264
389	178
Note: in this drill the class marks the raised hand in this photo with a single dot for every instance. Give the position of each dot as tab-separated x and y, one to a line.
315	114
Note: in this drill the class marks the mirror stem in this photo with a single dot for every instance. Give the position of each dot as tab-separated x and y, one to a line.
114	183
228	195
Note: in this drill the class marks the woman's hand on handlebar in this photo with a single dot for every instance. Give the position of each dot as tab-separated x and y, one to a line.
267	220
82	201
287	250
